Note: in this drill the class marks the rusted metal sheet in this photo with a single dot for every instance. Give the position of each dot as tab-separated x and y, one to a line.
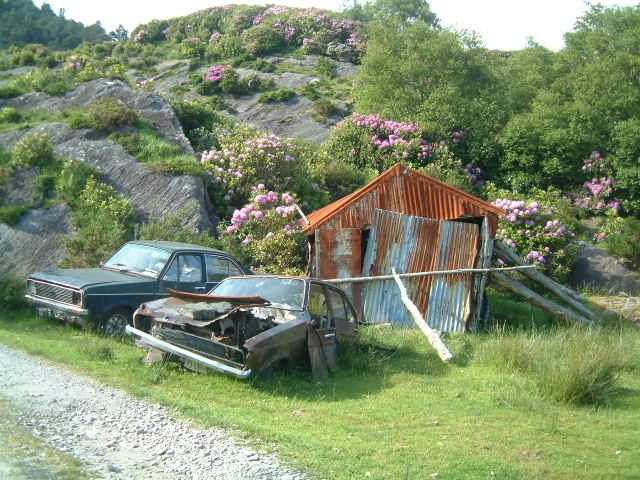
403	190
415	244
450	296
338	254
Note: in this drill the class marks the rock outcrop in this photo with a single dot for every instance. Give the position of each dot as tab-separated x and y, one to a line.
149	105
35	242
152	195
598	270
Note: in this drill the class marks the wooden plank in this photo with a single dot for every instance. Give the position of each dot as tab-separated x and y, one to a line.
561	291
432	336
505	282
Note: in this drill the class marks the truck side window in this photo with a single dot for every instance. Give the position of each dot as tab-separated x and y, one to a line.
219	268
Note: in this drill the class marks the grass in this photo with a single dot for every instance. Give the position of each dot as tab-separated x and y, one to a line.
392	410
159	154
277	96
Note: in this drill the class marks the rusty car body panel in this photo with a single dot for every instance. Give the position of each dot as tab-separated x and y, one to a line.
243	334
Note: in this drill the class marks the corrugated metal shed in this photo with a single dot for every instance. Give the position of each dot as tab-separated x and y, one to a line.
403	190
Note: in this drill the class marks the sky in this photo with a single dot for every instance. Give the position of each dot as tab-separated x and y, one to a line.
502	24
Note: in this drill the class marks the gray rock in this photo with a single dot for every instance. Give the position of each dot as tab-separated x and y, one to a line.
21	188
35	243
149	105
152	195
598	270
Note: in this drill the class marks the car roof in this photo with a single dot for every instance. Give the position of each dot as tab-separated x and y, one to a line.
176	246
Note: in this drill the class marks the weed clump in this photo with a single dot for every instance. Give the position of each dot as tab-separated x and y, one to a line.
573	366
276	96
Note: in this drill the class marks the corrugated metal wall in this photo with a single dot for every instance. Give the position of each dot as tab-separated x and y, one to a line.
417	244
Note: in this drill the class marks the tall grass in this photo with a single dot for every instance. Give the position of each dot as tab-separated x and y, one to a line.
573	366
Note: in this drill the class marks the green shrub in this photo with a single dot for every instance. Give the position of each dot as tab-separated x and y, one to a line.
265	233
108	114
12	292
325	108
623	239
259	64
171	229
263	40
310	91
49	82
11	215
71	180
146	146
10	115
277	95
12	89
341	178
34	149
101	218
179	165
326	68
200	122
160	155
6	166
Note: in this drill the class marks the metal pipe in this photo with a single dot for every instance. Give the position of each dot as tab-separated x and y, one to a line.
426	274
181	352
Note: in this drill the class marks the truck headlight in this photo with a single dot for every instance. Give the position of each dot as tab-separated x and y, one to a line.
31	287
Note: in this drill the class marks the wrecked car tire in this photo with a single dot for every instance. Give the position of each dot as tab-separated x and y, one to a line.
115	322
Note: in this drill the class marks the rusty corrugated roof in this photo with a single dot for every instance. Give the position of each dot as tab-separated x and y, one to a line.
439	197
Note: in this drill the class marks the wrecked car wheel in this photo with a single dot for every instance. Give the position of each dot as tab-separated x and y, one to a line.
115	322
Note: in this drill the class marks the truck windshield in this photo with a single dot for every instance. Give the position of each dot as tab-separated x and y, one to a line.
287	293
141	259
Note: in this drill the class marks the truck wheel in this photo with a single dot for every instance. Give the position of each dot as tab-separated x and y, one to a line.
115	322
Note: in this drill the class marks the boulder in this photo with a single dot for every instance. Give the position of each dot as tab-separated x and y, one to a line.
35	242
596	269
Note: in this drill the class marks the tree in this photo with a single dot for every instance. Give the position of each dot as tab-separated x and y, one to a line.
441	79
120	34
404	11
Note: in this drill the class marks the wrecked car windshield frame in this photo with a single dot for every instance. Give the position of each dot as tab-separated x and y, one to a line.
141	259
281	292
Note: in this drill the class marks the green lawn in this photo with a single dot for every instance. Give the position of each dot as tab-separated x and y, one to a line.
388	413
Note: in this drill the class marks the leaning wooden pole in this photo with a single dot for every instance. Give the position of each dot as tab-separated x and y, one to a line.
433	337
561	291
506	282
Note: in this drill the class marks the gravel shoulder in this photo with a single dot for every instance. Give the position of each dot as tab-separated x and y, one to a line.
117	436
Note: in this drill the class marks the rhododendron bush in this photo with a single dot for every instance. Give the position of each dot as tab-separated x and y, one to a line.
258	30
247	158
266	232
371	141
534	231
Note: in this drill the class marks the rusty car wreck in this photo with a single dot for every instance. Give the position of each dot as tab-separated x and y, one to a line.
247	324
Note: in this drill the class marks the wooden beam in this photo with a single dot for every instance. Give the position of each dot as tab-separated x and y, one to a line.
432	336
505	282
561	291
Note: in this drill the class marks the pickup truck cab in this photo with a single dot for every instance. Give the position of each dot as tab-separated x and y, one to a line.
138	272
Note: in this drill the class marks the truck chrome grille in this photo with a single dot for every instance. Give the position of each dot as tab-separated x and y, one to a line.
55	292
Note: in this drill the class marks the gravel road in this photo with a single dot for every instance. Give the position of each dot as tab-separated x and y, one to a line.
116	436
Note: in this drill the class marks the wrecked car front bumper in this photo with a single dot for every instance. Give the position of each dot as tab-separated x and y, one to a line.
187	355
